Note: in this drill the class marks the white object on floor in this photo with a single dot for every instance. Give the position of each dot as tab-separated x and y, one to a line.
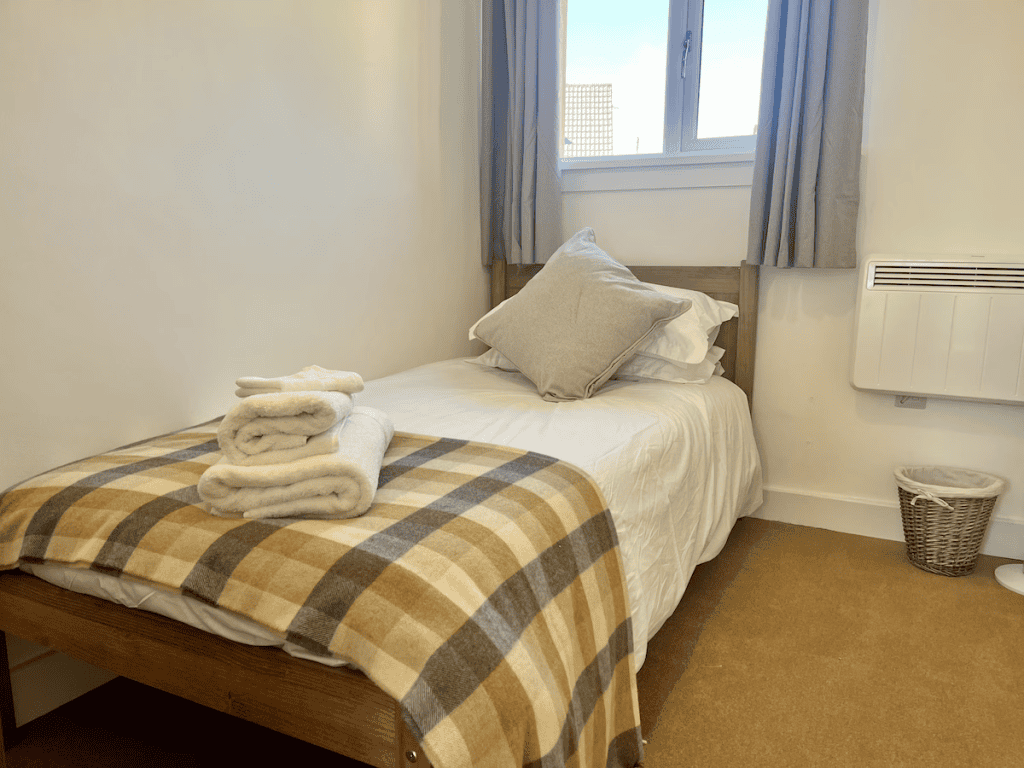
1011	576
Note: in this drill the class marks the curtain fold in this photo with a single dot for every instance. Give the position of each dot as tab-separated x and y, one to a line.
520	187
806	188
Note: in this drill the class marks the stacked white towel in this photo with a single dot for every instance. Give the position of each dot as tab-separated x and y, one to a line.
291	451
312	378
280	427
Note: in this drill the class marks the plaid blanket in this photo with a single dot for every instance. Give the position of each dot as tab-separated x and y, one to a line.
483	590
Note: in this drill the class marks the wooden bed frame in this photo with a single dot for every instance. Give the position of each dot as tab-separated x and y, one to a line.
332	707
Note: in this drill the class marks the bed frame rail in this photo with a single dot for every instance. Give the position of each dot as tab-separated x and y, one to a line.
335	708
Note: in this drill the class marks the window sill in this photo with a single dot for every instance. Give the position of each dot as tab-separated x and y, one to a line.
690	170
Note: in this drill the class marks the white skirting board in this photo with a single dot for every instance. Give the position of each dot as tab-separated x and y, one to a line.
870	517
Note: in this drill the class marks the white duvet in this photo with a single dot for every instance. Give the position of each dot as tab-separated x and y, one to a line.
677	464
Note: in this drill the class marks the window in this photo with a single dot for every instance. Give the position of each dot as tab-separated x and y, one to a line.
661	77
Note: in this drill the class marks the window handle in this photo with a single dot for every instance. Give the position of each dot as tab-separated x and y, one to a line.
686	52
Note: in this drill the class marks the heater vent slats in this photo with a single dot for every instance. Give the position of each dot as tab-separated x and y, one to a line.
946	276
941	326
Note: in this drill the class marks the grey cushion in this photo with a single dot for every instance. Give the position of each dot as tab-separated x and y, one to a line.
579	318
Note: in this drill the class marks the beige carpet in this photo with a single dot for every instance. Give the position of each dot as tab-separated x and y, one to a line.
804	647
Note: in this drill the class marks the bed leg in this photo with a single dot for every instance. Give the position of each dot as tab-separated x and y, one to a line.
8	728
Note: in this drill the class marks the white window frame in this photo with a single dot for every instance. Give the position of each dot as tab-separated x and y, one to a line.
682	85
686	160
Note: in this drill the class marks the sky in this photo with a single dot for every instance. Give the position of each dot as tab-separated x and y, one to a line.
608	41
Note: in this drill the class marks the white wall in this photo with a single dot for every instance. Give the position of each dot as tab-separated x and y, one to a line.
195	191
942	173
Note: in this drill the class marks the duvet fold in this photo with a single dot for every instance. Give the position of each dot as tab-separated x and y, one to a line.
335	485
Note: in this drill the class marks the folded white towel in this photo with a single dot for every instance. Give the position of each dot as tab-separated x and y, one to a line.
336	485
313	378
325	442
279	421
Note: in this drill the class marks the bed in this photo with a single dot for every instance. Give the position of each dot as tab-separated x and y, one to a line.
334	706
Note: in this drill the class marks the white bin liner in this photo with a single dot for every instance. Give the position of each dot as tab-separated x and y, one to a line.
936	483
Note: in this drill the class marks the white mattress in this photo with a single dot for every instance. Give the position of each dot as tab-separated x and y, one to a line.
677	464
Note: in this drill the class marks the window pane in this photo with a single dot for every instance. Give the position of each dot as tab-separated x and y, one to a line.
615	77
730	67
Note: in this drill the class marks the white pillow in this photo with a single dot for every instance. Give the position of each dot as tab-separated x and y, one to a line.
637	368
643	368
689	337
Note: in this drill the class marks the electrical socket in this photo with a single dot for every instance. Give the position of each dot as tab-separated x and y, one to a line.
911	401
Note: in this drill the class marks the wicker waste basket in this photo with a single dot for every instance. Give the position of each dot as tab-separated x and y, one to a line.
945	514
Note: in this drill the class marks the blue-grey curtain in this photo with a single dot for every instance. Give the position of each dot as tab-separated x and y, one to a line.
520	191
806	188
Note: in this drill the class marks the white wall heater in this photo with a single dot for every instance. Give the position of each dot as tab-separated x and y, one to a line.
941	326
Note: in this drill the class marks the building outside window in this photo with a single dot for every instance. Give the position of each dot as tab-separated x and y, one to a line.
588	120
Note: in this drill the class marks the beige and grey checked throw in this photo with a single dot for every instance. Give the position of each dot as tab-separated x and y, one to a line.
483	590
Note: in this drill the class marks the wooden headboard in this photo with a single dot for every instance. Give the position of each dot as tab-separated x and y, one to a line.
734	284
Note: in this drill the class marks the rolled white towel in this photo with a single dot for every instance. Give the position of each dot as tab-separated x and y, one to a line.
325	442
279	421
312	378
336	485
